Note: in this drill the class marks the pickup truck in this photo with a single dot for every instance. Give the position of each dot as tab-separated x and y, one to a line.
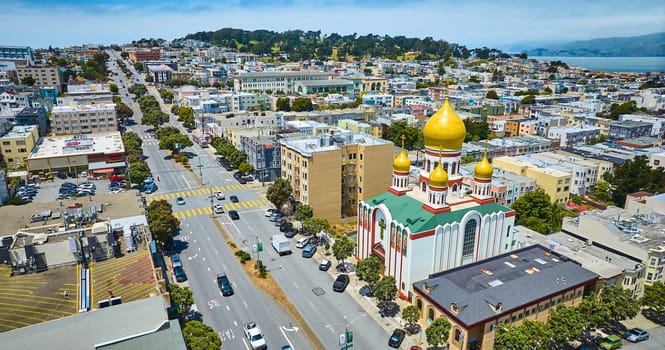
253	334
224	284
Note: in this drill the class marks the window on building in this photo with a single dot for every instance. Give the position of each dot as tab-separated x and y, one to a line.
469	237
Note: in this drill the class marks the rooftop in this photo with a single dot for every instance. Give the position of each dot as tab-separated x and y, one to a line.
91	107
283	74
67	145
19	132
311	144
326	82
511	281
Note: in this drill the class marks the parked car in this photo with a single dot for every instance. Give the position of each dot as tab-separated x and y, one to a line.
180	201
75	205
219	195
325	265
279	222
268	213
233	214
84	193
302	242
234	199
341	282
219	209
309	251
180	274
242	181
611	342
290	233
636	335
116	178
396	338
273	216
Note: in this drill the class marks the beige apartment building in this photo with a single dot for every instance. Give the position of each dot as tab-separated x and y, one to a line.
333	173
556	183
44	75
17	144
84	119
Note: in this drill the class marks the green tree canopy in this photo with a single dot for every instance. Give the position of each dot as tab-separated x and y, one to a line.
369	270
161	221
654	297
279	192
602	191
619	302
476	130
617	109
386	290
316	225
114	88
594	313
566	323
123	111
283	104
303	212
138	172
245	168
166	132
343	248
491	94
438	332
302	104
181	296
138	90
166	94
410	315
529	99
535	211
199	336
175	143
413	137
132	140
633	176
29	80
527	336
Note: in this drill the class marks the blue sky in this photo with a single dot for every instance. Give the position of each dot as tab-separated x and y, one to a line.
474	23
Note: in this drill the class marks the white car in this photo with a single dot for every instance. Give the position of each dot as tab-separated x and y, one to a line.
219	195
302	242
219	209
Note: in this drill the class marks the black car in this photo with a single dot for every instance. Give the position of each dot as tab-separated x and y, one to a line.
179	273
242	181
290	233
234	199
340	283
233	214
396	338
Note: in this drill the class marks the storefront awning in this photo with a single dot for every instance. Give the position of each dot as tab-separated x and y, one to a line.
104	165
103	171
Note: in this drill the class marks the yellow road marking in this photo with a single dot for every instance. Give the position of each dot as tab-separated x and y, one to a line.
244	204
207	210
227	207
175	215
188	213
200	211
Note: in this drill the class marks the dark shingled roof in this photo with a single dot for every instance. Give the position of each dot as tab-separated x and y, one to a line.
514	279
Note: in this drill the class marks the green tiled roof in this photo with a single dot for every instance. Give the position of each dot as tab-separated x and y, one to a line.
409	211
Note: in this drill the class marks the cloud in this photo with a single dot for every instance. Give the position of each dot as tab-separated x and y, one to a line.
472	23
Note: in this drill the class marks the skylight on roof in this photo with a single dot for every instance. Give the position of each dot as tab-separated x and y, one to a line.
509	264
495	283
540	261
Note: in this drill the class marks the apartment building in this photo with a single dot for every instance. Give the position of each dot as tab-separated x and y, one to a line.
33	116
658	124
555	183
160	73
83	119
23	54
333	173
276	81
17	144
386	100
309	127
141	55
356	126
368	84
217	124
44	76
574	135
629	129
584	173
262	154
657	160
332	117
479	297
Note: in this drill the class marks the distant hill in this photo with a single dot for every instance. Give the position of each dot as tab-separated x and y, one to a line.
651	45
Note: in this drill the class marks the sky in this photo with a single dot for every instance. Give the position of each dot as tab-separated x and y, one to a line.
502	24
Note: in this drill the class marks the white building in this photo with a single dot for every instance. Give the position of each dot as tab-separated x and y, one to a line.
84	119
386	100
658	123
275	81
574	135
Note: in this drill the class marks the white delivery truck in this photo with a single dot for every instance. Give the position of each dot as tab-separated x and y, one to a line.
281	244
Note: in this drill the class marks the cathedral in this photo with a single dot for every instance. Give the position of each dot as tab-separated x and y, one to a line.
441	223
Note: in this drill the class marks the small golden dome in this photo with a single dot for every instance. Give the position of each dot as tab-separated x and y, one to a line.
402	162
445	129
438	177
484	169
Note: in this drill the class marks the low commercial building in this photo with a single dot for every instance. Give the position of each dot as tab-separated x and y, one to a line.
333	173
98	154
84	119
276	81
524	284
333	86
17	144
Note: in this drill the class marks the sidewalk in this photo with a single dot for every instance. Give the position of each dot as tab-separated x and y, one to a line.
369	304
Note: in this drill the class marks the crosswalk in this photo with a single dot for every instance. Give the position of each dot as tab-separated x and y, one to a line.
196	192
183	214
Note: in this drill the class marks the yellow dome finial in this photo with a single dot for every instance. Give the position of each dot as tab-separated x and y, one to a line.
438	177
484	169
402	162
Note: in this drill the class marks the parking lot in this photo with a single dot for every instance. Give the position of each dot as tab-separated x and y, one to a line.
48	191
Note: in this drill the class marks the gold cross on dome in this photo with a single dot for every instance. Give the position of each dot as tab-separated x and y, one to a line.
447	83
403	137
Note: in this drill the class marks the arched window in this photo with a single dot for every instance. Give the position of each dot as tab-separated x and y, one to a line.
430	314
455	188
469	238
419	304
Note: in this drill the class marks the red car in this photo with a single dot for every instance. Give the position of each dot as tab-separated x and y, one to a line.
116	178
75	205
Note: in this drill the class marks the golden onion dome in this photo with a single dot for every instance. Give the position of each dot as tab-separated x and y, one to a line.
484	169
438	177
402	162
445	129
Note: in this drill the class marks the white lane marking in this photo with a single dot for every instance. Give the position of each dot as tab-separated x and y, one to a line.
228	308
312	305
187	182
245	342
199	247
235	323
245	303
296	284
216	252
287	338
204	258
224	266
249	227
209	270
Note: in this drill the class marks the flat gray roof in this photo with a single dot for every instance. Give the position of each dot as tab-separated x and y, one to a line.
513	279
99	328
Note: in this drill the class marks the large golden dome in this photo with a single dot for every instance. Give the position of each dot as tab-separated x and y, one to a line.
445	129
484	169
402	162
438	177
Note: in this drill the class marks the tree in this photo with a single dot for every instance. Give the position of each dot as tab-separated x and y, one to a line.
245	168
138	66
166	94
123	111
175	142
386	290
283	104
654	297
602	191
438	332
182	296
279	192
527	336
410	315
166	132
566	323
315	225
138	172
138	90
369	270
595	313
619	302
535	211
199	336
29	80
343	248
491	94
529	99
635	175
303	212
132	141
413	137
114	88
161	221
302	104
